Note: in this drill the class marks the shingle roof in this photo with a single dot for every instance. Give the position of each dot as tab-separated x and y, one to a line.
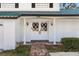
62	12
11	14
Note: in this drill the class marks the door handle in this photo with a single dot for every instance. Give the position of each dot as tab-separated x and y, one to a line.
39	31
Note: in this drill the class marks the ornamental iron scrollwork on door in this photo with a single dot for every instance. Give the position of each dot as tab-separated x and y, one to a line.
43	26
35	26
39	27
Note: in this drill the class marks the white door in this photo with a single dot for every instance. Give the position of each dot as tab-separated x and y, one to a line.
1	36
39	30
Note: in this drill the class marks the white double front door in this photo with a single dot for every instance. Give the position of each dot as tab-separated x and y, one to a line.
37	29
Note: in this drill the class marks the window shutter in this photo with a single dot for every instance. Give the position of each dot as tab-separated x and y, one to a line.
51	5
33	5
16	5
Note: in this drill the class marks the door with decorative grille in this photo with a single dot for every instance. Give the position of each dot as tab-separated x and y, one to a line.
39	30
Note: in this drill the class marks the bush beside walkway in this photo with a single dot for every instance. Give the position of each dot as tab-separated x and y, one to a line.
22	50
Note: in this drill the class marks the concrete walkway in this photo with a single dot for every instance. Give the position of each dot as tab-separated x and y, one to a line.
39	49
64	53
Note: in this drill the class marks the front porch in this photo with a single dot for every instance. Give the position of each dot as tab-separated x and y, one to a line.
56	28
37	28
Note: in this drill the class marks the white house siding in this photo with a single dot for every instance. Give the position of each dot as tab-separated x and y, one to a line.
8	34
67	27
1	35
19	30
62	27
27	7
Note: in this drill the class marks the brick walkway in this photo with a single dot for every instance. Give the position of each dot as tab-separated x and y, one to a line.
39	49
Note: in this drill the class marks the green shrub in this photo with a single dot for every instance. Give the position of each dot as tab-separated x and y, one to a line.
23	50
70	44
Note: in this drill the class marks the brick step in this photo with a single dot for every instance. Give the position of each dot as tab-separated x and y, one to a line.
39	49
39	40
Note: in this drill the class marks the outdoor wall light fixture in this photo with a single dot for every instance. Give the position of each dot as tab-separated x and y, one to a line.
51	24
27	23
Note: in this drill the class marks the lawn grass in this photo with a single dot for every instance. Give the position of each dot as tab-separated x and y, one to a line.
22	50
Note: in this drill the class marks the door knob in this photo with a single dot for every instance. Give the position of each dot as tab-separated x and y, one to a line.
39	31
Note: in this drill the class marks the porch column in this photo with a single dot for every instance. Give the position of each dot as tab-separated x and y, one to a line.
24	32
54	24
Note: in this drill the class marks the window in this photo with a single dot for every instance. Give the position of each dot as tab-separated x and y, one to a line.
69	5
16	5
7	5
33	5
35	26
43	26
51	5
42	5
